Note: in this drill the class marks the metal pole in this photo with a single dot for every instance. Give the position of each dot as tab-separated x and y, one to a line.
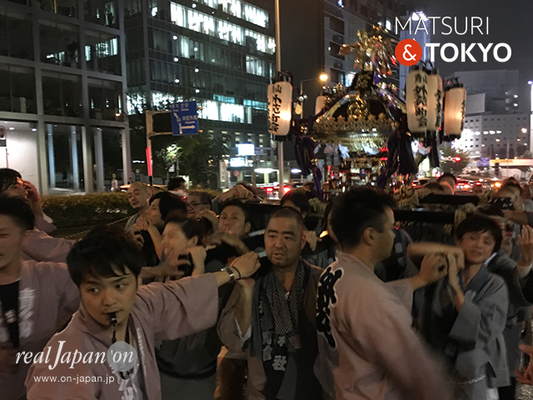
278	38
530	83
507	157
149	165
278	68
301	94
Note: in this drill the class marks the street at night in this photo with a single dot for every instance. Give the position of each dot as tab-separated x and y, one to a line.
266	200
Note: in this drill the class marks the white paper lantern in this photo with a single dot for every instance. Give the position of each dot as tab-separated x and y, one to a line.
416	101
279	108
454	111
435	95
320	103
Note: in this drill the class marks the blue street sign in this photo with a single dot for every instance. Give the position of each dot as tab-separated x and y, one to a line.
184	118
483	162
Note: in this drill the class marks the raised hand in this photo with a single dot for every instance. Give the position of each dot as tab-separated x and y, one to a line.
34	198
433	268
525	375
198	255
525	240
210	216
142	224
312	239
246	265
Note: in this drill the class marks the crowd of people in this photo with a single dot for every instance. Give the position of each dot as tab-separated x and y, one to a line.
219	300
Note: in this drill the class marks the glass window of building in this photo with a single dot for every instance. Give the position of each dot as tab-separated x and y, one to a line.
112	152
60	43
222	29
105	101
17	94
68	8
239	9
136	100
160	40
64	156
209	110
103	12
256	66
16	39
102	52
135	69
189	48
132	7
163	72
62	94
255	15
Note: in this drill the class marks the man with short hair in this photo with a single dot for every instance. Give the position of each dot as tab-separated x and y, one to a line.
36	298
448	181
233	226
105	266
365	337
37	244
273	317
139	197
178	186
12	185
198	203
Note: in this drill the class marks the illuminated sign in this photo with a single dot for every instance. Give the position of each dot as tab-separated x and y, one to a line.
246	149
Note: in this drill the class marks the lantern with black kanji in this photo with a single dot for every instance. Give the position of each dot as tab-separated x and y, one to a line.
435	96
416	102
454	110
279	108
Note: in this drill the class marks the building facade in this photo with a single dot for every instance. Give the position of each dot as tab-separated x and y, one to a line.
496	121
62	101
217	52
309	52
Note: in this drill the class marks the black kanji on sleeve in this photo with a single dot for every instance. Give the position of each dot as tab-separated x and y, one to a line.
326	298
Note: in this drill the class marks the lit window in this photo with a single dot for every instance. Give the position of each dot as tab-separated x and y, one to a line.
203	23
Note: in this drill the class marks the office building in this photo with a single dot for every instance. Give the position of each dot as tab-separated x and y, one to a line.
217	52
496	120
62	98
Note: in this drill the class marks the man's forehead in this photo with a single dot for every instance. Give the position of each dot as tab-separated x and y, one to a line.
96	278
6	223
282	223
232	210
481	234
136	186
389	214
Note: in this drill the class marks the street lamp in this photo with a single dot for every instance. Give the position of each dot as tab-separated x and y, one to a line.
323	78
530	83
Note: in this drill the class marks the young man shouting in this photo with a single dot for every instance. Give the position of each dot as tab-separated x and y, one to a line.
105	266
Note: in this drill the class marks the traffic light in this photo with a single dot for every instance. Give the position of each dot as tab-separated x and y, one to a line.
497	169
158	123
457	159
162	123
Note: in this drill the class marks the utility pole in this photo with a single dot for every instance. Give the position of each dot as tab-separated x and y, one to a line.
278	68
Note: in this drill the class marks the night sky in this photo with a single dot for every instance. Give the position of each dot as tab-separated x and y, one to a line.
510	21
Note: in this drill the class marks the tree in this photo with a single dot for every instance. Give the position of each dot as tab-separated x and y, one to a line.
198	155
453	160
